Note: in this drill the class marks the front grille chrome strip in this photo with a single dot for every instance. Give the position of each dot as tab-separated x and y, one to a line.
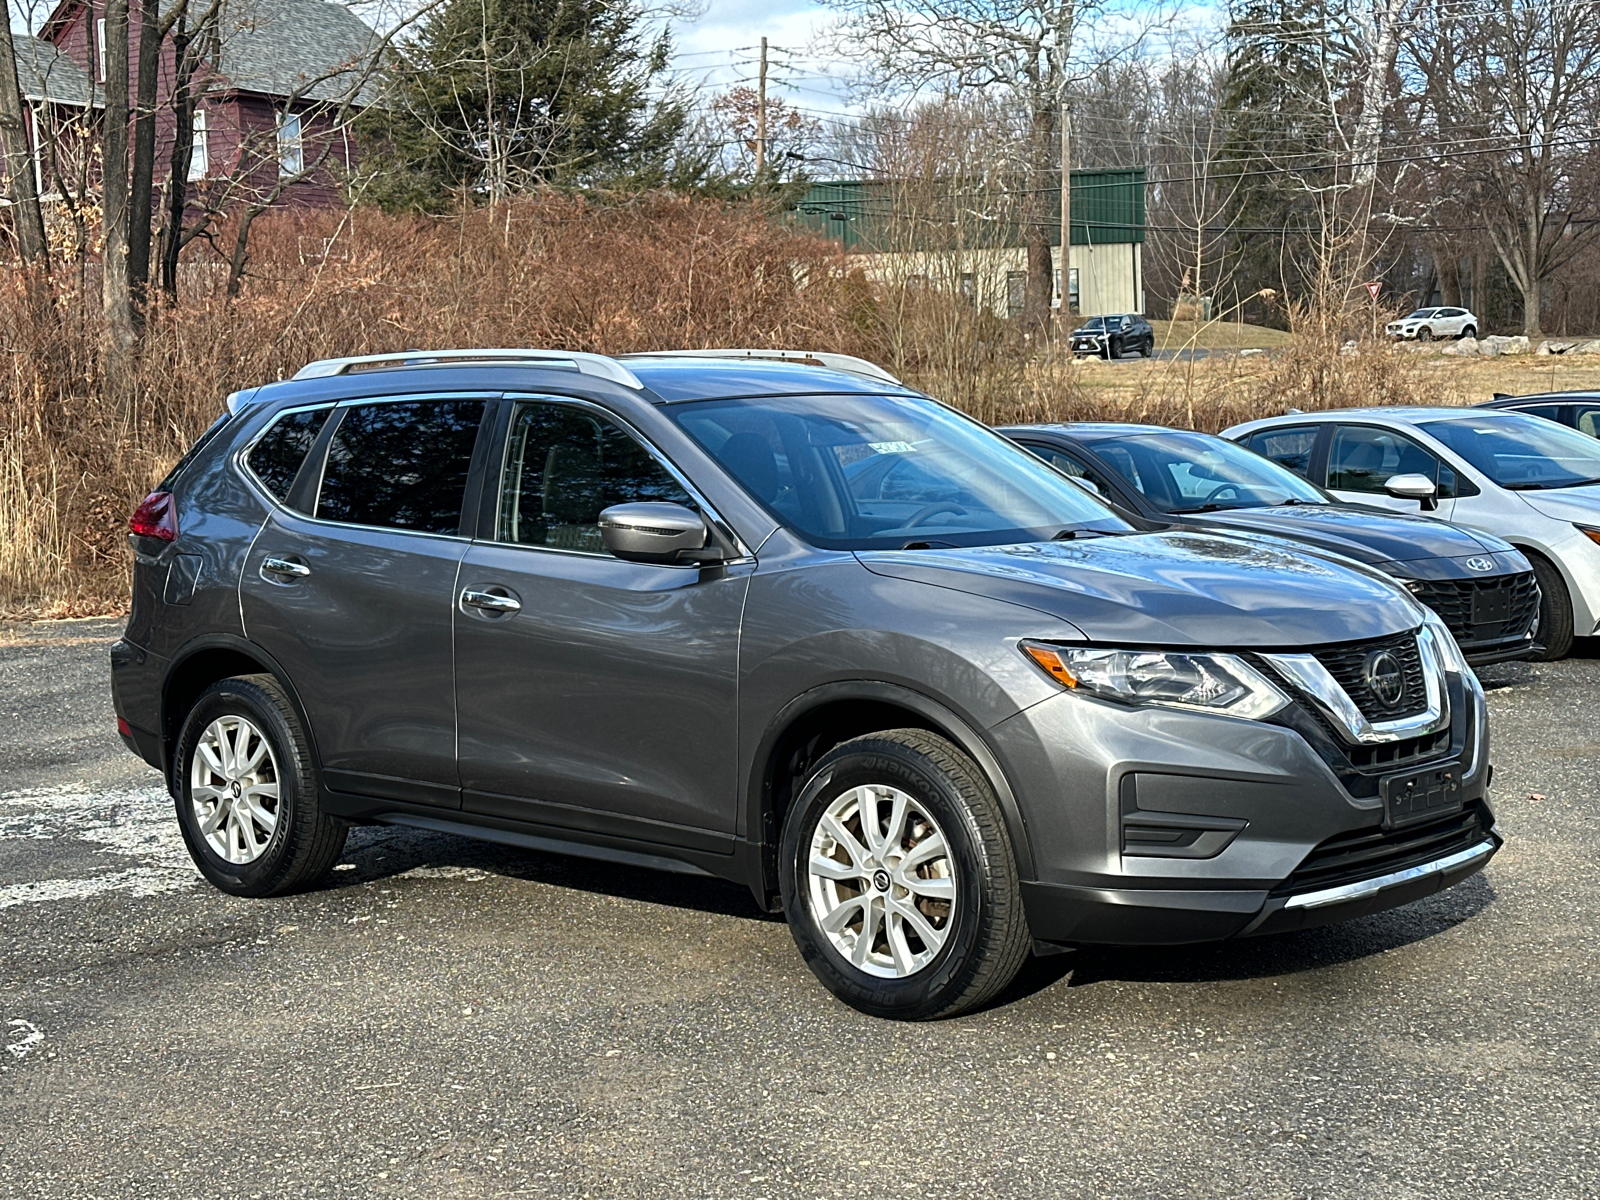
1371	887
1312	678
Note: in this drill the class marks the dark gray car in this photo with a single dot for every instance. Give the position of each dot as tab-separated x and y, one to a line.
644	610
1482	587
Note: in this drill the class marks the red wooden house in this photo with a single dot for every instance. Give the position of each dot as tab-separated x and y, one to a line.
277	83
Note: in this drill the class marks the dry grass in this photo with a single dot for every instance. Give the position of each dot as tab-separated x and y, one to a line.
1216	335
78	450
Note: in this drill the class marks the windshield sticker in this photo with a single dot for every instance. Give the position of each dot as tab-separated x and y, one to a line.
892	447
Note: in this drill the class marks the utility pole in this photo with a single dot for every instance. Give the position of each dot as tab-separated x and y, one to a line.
1066	211
761	118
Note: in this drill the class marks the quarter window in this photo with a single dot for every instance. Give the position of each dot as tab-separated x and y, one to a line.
1287	447
563	466
402	465
1363	459
1586	419
276	457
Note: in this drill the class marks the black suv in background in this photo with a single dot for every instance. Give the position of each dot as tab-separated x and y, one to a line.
1114	336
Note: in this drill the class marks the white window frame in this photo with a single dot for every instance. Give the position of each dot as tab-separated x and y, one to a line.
100	44
200	150
291	146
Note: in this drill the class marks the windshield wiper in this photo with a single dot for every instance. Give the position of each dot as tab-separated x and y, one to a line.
1292	500
1069	534
1204	508
1548	485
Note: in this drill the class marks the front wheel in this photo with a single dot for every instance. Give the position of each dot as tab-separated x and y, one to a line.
1424	334
899	879
246	792
1555	629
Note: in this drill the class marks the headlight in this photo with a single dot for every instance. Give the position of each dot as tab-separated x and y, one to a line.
1590	532
1215	683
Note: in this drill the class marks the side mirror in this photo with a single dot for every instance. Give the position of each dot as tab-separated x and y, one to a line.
1087	485
1413	487
656	533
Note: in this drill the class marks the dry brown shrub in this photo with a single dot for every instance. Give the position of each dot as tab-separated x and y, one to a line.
655	273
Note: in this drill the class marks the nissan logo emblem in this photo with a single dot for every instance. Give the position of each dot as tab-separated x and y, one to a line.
1385	678
1481	564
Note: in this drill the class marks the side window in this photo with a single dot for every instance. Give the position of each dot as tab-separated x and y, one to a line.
1550	412
1287	447
1363	459
1587	419
565	464
276	457
1072	468
401	465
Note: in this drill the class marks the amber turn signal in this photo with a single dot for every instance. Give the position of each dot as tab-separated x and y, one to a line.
1051	661
1592	534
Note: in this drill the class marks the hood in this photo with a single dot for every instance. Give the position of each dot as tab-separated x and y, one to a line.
1084	331
1368	535
1171	589
1580	504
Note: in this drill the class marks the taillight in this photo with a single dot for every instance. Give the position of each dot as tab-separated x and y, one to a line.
157	517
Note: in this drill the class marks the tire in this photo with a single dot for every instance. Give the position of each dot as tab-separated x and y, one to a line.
278	844
1148	349
1555	611
1424	334
915	976
1469	331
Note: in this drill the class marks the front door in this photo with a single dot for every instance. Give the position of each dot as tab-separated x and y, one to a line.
593	694
1362	458
355	600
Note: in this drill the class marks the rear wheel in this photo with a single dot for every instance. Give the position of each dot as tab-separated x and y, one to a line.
1470	331
246	792
1555	611
1149	347
899	880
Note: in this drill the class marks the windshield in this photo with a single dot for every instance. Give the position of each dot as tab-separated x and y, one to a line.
1195	472
1095	324
1522	453
888	472
1421	313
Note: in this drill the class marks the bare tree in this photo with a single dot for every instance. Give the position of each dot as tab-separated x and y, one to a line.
1027	50
121	328
20	181
1513	97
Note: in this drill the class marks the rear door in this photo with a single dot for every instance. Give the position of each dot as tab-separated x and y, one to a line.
350	586
596	695
1291	446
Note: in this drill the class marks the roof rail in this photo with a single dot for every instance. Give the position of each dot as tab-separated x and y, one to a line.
838	362
597	365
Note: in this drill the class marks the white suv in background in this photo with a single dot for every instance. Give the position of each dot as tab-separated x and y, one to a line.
1528	480
1428	323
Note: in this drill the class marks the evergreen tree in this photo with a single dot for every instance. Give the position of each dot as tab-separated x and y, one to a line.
493	97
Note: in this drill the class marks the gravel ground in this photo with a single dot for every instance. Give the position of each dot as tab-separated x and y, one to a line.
450	1018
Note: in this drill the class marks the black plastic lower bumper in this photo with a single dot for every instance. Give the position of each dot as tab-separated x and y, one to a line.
1063	915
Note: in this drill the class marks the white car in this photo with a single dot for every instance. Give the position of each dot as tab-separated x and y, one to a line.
1525	479
1428	323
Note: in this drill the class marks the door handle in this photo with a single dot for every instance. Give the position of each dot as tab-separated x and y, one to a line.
490	602
284	566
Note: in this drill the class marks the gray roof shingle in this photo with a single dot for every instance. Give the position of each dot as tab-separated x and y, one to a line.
45	73
279	47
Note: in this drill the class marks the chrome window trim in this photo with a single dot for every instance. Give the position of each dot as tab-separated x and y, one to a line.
1371	887
708	510
241	463
1313	679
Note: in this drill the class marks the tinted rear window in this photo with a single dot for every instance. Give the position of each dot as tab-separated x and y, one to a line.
276	458
401	465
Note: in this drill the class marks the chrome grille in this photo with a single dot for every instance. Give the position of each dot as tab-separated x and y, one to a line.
1347	665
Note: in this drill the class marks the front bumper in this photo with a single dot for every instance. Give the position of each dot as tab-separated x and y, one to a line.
1161	827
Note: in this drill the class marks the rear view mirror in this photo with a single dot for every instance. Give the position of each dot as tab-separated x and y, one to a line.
654	533
1413	487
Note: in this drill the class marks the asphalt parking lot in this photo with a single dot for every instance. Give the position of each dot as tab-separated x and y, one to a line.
449	1018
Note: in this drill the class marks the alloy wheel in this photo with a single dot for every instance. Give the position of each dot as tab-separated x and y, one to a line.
233	786
881	882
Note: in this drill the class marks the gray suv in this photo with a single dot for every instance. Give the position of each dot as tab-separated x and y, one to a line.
674	611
